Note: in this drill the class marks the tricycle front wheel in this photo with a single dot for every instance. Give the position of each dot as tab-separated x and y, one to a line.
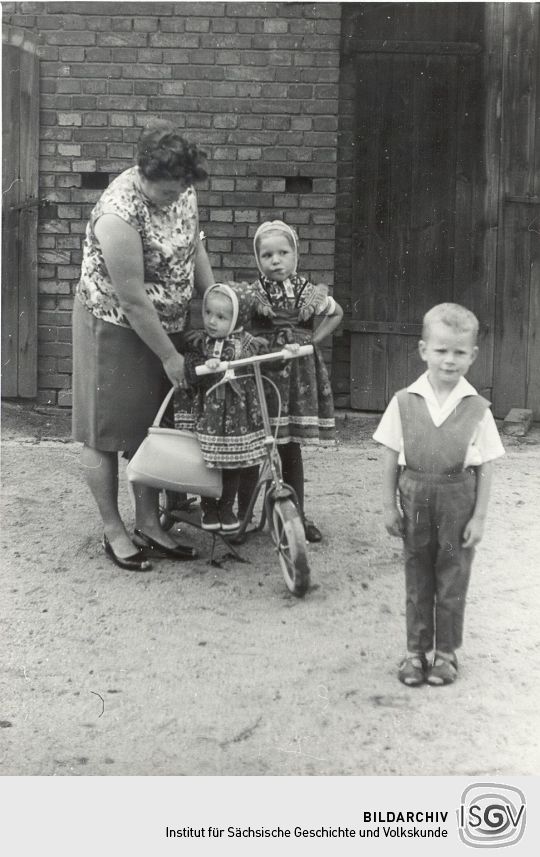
290	541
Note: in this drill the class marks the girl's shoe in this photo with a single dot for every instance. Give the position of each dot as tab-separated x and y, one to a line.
134	562
210	519
229	522
444	669
412	670
313	534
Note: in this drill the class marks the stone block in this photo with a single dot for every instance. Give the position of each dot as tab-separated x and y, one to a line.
517	422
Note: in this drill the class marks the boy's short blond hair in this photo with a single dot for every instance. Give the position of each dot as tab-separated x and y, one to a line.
453	315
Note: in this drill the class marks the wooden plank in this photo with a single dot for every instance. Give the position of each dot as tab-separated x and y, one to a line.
370	228
401	239
533	349
472	286
520	49
422	48
397	328
10	217
28	218
368	371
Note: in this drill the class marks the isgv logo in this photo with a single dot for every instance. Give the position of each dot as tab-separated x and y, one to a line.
491	815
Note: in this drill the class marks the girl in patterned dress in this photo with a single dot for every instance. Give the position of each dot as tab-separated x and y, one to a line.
287	305
226	416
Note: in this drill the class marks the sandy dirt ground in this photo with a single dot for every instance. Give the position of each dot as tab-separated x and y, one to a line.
197	670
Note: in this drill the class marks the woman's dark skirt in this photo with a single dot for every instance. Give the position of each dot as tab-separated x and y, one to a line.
118	383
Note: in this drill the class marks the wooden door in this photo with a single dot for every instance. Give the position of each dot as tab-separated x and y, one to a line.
517	356
423	208
20	156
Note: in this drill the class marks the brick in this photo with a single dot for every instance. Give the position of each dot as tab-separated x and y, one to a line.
146	70
120	102
249	73
65	399
98	55
174	40
93	70
197	25
83	102
69	212
120	87
275	26
119	40
52	287
54	348
54	381
53	165
68	86
84	195
47	117
146	25
96	118
252	123
71	37
178	58
93	150
125	54
46	52
121	120
54	227
118	150
151	55
121	25
146	87
69	272
301	123
95	86
224	25
222	216
246	216
46	397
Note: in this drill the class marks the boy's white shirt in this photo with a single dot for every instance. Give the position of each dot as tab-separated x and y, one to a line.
485	444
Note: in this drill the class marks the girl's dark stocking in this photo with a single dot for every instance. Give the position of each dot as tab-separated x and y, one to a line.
293	469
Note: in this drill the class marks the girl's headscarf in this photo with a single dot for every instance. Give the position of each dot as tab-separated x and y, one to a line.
275	226
224	289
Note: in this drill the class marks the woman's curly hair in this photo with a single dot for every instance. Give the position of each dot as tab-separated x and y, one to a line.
162	153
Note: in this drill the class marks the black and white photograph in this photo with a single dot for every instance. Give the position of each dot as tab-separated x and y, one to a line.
270	413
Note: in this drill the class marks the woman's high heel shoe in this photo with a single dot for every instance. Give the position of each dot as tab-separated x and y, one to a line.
135	562
181	552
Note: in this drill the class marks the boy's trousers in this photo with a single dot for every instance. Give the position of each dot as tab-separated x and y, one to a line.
436	508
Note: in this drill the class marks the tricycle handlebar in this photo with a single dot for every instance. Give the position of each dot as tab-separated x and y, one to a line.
284	354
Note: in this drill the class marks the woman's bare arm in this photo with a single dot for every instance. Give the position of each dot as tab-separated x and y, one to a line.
203	275
328	324
122	251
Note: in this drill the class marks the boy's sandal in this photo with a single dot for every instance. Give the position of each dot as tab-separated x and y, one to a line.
313	534
443	671
412	670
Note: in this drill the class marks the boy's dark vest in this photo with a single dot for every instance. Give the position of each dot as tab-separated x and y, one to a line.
442	449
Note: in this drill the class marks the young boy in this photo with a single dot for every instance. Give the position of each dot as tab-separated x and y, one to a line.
441	441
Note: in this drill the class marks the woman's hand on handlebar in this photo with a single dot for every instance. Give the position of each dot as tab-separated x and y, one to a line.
174	369
293	347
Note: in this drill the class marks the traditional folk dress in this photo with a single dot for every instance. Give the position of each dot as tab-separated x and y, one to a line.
226	417
307	406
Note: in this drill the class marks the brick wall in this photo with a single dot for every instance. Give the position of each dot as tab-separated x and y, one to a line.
255	84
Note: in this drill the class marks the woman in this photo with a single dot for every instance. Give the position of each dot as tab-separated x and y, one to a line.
142	258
